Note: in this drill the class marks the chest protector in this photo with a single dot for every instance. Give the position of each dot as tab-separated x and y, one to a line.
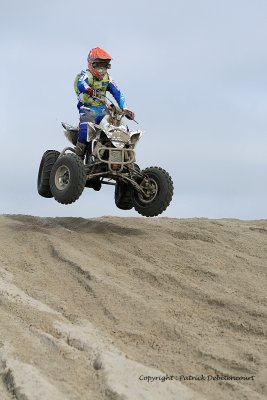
99	86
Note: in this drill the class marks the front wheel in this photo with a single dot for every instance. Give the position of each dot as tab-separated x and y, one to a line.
158	186
67	179
123	196
124	193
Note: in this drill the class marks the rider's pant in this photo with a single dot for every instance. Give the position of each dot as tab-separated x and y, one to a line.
89	114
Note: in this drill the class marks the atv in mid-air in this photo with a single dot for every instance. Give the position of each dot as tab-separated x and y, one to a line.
109	159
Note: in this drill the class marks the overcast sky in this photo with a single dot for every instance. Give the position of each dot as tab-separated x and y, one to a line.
194	73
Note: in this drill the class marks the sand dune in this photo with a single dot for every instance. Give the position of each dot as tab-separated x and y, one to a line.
94	308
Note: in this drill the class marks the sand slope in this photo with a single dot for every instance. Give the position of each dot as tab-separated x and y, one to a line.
89	308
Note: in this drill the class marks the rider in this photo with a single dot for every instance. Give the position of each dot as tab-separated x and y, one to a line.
95	81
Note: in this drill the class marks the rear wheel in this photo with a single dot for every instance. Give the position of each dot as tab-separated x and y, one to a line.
67	179
158	186
48	160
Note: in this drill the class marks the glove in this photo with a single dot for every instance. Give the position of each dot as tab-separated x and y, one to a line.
128	114
91	92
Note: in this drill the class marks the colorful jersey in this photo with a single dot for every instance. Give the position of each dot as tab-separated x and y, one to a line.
86	80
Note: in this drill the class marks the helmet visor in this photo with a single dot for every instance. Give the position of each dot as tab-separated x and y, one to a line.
101	64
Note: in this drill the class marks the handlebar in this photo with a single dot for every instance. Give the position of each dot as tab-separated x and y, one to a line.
108	106
112	106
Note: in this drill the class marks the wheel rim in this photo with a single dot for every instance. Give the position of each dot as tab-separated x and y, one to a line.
62	177
150	187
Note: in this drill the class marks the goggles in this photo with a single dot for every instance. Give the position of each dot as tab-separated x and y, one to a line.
97	64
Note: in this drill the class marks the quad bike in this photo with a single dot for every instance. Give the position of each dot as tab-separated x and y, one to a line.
109	159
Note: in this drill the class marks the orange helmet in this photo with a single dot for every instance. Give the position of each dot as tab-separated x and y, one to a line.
98	62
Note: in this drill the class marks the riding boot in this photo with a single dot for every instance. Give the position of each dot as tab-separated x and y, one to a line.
80	149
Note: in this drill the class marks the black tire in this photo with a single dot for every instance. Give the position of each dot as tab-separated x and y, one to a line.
123	196
94	183
136	167
162	192
67	179
48	160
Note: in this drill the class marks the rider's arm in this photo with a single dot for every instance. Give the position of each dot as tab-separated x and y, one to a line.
116	93
82	83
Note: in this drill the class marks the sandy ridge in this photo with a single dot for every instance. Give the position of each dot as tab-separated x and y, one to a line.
85	305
